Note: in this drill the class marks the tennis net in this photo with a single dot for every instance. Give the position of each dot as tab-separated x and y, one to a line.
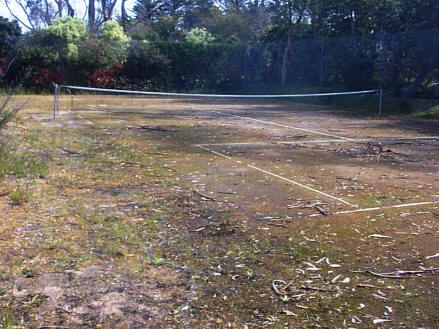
68	97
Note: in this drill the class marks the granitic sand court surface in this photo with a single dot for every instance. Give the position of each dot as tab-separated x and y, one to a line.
189	213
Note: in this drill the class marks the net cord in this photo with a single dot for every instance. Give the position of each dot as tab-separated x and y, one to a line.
154	93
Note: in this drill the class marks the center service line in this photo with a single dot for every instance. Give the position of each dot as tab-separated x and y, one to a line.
278	176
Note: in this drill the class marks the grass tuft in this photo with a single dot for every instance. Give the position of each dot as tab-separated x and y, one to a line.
20	195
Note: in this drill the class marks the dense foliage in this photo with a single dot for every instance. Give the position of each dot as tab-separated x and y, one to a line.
235	46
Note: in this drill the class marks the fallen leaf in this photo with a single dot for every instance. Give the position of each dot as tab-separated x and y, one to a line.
377	321
289	313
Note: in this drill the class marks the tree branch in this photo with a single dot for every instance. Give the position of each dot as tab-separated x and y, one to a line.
30	27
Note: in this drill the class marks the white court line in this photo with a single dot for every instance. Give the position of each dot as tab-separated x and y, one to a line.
82	118
388	207
347	139
280	177
323	141
290	127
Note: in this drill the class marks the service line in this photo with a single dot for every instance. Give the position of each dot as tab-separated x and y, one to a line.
325	141
405	205
286	126
278	176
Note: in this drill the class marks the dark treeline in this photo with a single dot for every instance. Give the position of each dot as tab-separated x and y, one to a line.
226	46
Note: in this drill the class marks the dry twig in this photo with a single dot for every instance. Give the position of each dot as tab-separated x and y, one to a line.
402	274
204	196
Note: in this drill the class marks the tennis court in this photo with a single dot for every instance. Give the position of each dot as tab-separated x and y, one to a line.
282	155
258	213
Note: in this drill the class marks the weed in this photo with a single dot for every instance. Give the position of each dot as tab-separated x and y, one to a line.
28	272
21	165
157	261
6	320
38	168
431	113
20	195
5	190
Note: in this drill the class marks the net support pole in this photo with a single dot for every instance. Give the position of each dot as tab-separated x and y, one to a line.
380	87
380	101
55	100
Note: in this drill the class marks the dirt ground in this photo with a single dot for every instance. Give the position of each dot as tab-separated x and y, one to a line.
170	213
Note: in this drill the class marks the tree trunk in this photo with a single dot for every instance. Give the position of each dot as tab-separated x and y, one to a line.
124	17
59	3
284	72
91	16
70	10
410	93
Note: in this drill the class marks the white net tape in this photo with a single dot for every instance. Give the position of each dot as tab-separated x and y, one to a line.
153	93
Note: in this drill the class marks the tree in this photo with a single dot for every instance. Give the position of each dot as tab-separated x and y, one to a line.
114	39
67	33
37	14
288	18
98	15
199	36
10	33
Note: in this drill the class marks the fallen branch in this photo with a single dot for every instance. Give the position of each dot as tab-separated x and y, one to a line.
158	128
277	224
204	196
362	285
65	149
320	210
347	178
402	274
319	289
274	286
281	291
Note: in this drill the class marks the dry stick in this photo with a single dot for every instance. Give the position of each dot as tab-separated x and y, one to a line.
157	129
65	149
400	274
320	210
273	285
320	289
282	290
204	196
277	224
362	285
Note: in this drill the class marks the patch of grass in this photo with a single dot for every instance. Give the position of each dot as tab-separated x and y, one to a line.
21	165
431	113
38	168
377	200
7	320
20	195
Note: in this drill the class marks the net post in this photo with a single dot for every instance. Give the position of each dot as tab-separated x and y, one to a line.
55	100
380	100
71	98
381	75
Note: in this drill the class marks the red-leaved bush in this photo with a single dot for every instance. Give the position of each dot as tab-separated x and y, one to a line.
107	78
45	77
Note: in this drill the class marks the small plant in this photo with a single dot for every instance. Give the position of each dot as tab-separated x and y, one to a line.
38	168
250	274
6	320
20	195
285	298
157	261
